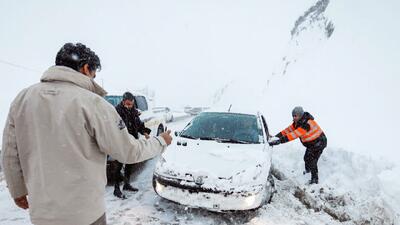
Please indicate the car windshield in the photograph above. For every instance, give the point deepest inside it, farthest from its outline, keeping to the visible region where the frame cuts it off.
(225, 127)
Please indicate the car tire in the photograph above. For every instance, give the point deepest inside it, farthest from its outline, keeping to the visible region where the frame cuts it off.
(154, 183)
(270, 188)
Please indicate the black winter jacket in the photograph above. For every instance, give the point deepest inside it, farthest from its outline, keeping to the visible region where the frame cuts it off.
(132, 120)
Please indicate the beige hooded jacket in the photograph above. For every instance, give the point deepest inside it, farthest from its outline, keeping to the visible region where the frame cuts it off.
(55, 143)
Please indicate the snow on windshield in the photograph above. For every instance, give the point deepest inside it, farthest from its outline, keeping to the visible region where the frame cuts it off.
(225, 126)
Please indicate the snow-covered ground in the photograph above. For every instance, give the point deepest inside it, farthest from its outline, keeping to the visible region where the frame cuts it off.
(338, 59)
(353, 189)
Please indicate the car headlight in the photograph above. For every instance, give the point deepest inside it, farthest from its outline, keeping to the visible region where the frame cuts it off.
(199, 180)
(250, 200)
(159, 187)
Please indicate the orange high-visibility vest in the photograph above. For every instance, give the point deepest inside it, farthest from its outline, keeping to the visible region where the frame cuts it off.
(306, 136)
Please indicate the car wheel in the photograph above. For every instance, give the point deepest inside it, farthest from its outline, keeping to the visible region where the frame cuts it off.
(154, 183)
(160, 129)
(270, 188)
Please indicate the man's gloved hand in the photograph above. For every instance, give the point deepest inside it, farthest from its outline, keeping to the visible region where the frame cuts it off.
(274, 141)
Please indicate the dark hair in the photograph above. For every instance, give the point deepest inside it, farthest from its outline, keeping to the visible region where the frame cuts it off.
(127, 96)
(75, 56)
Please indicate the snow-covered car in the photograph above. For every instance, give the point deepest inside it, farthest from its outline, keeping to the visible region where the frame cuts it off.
(165, 112)
(220, 161)
(194, 110)
(151, 120)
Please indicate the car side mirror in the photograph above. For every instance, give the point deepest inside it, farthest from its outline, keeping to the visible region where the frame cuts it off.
(177, 133)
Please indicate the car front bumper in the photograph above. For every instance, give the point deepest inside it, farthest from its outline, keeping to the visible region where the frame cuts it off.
(210, 199)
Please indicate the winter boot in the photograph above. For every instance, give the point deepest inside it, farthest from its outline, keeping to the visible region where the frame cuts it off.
(313, 181)
(118, 193)
(128, 187)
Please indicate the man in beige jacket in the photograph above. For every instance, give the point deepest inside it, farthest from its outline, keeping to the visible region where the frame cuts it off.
(56, 139)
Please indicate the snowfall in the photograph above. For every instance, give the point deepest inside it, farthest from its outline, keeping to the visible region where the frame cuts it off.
(353, 189)
(339, 61)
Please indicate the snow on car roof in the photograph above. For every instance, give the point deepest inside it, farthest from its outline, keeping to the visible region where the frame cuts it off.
(232, 110)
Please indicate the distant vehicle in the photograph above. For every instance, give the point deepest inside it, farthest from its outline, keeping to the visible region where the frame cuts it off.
(153, 121)
(166, 112)
(194, 110)
(220, 161)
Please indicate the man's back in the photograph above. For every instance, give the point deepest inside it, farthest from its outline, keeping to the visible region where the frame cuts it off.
(56, 139)
(52, 134)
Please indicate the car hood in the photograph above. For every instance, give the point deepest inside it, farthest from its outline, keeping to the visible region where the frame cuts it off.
(213, 160)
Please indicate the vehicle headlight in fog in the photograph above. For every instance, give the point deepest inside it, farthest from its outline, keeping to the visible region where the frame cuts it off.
(250, 200)
(159, 187)
(199, 180)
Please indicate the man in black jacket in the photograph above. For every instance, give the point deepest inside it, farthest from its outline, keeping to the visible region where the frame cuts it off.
(311, 136)
(130, 115)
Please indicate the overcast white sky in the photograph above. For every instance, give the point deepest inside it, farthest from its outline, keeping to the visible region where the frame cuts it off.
(185, 50)
(174, 47)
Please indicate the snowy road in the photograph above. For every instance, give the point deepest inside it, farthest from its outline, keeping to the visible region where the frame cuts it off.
(353, 190)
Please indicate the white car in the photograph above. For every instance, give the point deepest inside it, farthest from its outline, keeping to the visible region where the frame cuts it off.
(194, 110)
(165, 112)
(220, 161)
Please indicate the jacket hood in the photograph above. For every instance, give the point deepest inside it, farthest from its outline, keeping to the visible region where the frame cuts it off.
(66, 74)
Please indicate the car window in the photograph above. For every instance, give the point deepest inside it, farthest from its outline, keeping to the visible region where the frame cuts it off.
(141, 103)
(225, 126)
(113, 99)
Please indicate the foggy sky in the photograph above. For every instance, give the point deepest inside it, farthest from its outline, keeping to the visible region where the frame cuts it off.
(186, 50)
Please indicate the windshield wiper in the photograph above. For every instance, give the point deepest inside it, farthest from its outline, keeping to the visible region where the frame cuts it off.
(225, 140)
(230, 140)
(187, 136)
(206, 138)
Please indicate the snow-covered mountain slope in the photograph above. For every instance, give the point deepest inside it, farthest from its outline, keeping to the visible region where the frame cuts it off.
(339, 64)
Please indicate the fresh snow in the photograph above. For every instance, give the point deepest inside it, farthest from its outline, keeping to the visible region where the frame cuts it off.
(353, 189)
(339, 63)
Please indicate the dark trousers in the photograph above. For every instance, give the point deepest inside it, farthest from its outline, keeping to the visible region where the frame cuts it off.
(115, 170)
(311, 157)
(311, 160)
(114, 175)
